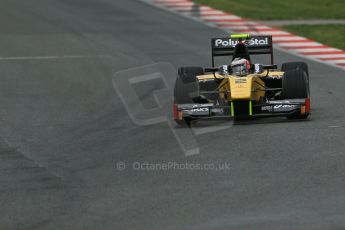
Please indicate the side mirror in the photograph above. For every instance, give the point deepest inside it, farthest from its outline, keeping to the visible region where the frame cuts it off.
(224, 69)
(258, 68)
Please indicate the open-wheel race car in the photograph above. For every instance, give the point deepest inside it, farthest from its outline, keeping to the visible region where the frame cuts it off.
(241, 89)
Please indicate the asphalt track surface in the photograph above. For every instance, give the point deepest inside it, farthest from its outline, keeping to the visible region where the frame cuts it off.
(63, 128)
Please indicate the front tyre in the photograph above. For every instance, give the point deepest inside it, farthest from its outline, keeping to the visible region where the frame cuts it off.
(288, 66)
(186, 85)
(187, 88)
(295, 86)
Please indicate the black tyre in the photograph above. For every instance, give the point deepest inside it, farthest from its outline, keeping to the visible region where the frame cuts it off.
(288, 66)
(295, 85)
(187, 88)
(186, 85)
(295, 65)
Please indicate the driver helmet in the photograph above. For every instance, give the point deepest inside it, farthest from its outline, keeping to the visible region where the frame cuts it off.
(240, 66)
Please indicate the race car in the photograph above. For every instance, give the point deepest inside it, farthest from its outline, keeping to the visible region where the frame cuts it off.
(240, 89)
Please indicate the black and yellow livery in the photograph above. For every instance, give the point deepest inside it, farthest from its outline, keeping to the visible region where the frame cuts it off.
(204, 93)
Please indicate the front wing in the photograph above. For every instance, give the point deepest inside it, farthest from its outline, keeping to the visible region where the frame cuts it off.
(243, 109)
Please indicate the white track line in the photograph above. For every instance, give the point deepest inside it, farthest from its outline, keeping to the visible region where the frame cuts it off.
(336, 61)
(191, 8)
(302, 50)
(286, 38)
(180, 4)
(204, 13)
(219, 17)
(245, 27)
(299, 44)
(328, 56)
(268, 33)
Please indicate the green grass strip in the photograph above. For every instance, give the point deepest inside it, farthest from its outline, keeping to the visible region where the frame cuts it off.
(332, 35)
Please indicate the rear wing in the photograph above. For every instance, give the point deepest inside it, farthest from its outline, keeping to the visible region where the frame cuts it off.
(255, 44)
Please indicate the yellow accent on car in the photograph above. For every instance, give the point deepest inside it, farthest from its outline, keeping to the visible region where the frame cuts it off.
(250, 108)
(232, 109)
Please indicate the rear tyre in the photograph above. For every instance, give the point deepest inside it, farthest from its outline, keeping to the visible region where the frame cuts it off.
(295, 86)
(288, 66)
(186, 89)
